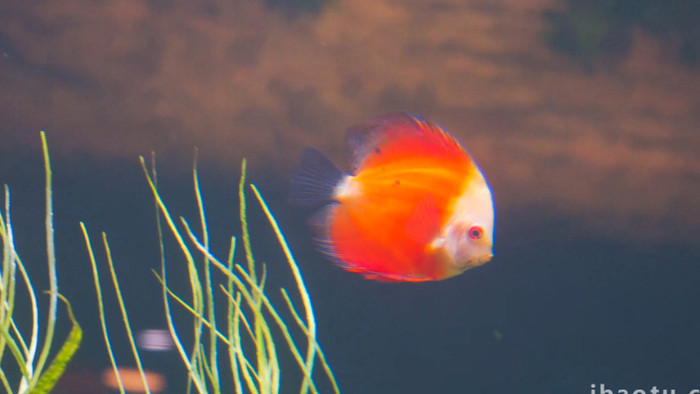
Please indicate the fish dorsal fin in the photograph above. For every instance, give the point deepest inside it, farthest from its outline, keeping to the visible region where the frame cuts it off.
(369, 138)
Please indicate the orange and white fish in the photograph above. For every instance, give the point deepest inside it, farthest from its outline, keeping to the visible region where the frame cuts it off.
(416, 207)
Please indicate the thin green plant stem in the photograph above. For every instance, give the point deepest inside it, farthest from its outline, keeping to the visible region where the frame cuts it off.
(247, 305)
(125, 316)
(166, 303)
(8, 293)
(5, 382)
(162, 209)
(100, 305)
(51, 262)
(242, 211)
(238, 348)
(223, 338)
(306, 300)
(269, 376)
(250, 374)
(37, 376)
(189, 308)
(8, 262)
(271, 309)
(250, 299)
(14, 349)
(210, 306)
(243, 318)
(319, 351)
(7, 266)
(26, 359)
(253, 302)
(198, 305)
(259, 345)
(233, 318)
(20, 340)
(300, 322)
(273, 367)
(31, 350)
(282, 327)
(173, 331)
(197, 343)
(153, 183)
(234, 314)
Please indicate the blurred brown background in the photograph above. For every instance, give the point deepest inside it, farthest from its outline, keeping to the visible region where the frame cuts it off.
(613, 144)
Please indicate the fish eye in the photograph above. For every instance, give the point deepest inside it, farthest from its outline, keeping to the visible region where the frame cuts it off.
(476, 232)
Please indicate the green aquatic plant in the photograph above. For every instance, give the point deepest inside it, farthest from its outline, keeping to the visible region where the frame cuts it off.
(254, 331)
(30, 358)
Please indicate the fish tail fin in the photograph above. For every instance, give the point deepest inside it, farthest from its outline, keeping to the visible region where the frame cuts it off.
(314, 181)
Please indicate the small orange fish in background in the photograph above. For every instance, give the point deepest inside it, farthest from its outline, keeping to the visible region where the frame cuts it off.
(416, 207)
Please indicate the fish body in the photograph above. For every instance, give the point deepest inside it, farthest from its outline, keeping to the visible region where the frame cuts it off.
(416, 207)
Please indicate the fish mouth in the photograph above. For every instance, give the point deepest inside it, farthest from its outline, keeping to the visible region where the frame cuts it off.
(484, 259)
(475, 262)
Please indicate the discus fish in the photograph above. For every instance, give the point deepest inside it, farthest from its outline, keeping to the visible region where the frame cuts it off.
(416, 207)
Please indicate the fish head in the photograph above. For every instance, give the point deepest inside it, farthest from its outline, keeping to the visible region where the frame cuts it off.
(468, 233)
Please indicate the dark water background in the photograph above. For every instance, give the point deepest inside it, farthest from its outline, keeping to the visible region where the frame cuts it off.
(595, 278)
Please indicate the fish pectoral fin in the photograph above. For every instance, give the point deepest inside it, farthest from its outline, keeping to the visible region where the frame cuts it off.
(438, 243)
(424, 223)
